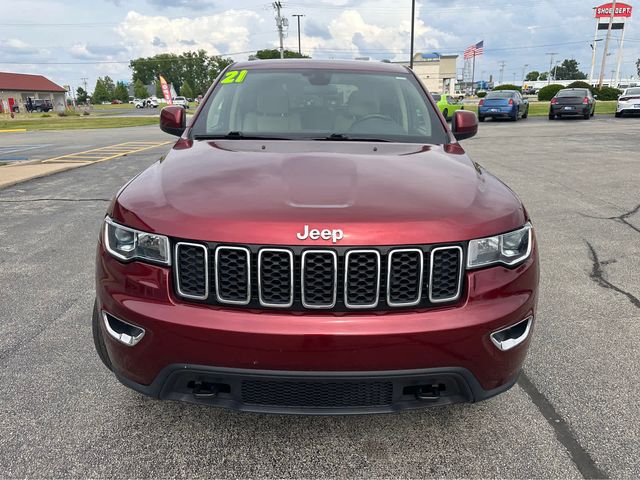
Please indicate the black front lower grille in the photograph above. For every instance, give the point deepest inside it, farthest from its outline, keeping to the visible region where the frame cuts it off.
(333, 279)
(310, 394)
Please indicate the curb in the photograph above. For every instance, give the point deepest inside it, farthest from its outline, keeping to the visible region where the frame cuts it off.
(11, 130)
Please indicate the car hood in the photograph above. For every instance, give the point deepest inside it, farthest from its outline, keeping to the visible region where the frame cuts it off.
(265, 192)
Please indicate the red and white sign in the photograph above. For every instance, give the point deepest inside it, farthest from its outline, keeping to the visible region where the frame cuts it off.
(166, 92)
(622, 10)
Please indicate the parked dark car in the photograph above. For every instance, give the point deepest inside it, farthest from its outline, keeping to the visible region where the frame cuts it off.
(38, 105)
(503, 104)
(291, 255)
(571, 102)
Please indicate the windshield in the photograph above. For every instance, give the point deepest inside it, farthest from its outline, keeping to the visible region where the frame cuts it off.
(632, 91)
(503, 94)
(317, 104)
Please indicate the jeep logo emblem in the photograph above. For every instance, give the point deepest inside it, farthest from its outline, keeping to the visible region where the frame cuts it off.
(324, 234)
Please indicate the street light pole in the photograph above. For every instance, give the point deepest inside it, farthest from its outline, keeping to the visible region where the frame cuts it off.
(299, 44)
(413, 21)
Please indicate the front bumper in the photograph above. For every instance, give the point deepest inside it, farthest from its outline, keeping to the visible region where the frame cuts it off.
(185, 343)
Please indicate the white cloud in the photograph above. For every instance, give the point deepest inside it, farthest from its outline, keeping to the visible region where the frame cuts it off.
(147, 35)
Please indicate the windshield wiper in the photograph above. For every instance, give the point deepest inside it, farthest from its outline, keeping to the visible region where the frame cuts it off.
(341, 137)
(235, 135)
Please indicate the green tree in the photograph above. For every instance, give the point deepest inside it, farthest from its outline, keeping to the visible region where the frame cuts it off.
(568, 70)
(100, 92)
(121, 93)
(139, 89)
(275, 53)
(548, 92)
(81, 95)
(186, 90)
(543, 76)
(532, 76)
(507, 86)
(159, 93)
(110, 87)
(216, 64)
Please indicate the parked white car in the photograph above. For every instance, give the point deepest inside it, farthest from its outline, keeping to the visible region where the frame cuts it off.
(181, 101)
(146, 103)
(629, 102)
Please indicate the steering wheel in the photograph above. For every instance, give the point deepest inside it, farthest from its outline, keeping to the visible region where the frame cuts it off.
(372, 116)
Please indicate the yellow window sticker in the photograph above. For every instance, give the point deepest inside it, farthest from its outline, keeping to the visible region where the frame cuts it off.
(234, 76)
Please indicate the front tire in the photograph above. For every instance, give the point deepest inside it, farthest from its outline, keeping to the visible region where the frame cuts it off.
(98, 339)
(526, 113)
(552, 116)
(618, 114)
(445, 113)
(480, 118)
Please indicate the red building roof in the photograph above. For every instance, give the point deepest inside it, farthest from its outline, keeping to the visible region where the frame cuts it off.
(27, 83)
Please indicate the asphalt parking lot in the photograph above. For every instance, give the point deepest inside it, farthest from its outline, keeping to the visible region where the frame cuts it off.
(574, 412)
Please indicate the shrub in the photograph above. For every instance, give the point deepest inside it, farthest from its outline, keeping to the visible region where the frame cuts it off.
(45, 115)
(547, 93)
(482, 94)
(508, 86)
(579, 84)
(607, 93)
(63, 113)
(86, 112)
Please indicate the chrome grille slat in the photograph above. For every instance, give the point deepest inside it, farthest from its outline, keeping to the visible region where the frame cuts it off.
(193, 280)
(319, 292)
(233, 275)
(364, 288)
(272, 276)
(404, 276)
(445, 274)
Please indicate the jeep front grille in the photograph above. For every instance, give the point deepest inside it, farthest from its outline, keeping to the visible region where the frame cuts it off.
(334, 279)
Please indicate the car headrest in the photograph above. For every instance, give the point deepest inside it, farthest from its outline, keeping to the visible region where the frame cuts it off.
(273, 103)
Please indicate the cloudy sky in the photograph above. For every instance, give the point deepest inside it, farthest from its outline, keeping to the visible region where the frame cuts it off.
(67, 40)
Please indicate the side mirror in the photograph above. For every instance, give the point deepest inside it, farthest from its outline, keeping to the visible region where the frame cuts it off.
(173, 120)
(595, 96)
(464, 124)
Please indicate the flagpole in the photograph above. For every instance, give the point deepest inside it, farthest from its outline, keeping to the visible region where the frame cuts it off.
(473, 74)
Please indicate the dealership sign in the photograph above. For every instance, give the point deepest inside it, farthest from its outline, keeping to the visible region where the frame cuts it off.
(622, 10)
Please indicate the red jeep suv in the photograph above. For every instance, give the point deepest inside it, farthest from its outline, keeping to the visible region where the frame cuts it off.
(317, 241)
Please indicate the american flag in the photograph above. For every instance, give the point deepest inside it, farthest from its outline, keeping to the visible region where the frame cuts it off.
(474, 50)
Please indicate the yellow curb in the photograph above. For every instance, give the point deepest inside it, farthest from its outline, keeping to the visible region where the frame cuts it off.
(8, 130)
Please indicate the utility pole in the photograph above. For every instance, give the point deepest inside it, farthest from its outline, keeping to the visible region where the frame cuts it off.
(413, 21)
(606, 44)
(502, 65)
(280, 24)
(84, 80)
(524, 72)
(552, 54)
(299, 44)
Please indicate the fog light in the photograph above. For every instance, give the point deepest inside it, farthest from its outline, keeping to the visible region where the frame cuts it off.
(122, 331)
(512, 336)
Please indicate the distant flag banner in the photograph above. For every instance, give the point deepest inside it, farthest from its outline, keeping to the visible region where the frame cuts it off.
(474, 50)
(165, 90)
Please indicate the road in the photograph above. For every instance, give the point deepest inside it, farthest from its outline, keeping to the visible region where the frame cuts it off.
(573, 413)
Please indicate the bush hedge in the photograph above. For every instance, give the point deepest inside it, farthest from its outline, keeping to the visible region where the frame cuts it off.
(547, 93)
(579, 84)
(481, 94)
(607, 93)
(507, 86)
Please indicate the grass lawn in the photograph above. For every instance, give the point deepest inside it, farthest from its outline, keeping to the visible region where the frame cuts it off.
(110, 106)
(541, 109)
(69, 123)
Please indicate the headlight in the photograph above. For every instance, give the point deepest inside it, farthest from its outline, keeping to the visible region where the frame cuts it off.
(508, 249)
(126, 243)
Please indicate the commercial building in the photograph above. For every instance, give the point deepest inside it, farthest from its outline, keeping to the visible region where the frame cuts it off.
(437, 71)
(15, 88)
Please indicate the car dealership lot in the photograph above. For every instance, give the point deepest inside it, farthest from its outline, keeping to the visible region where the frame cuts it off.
(574, 413)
